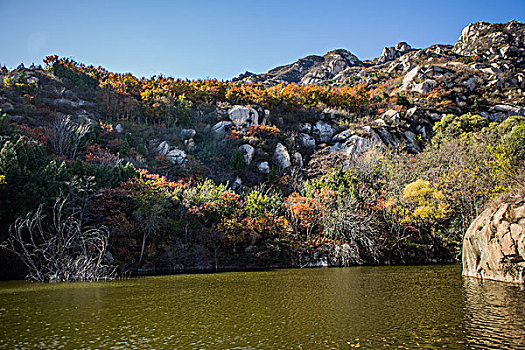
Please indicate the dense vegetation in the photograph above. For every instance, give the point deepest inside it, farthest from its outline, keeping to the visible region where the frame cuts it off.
(387, 206)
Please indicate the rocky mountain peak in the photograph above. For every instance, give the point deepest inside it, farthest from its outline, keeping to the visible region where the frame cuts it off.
(504, 41)
(393, 52)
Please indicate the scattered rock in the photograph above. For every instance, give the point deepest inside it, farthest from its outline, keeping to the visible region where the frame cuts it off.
(190, 144)
(221, 127)
(187, 133)
(243, 117)
(237, 183)
(298, 157)
(305, 128)
(176, 156)
(163, 148)
(425, 87)
(264, 167)
(306, 141)
(247, 152)
(282, 157)
(324, 131)
(343, 136)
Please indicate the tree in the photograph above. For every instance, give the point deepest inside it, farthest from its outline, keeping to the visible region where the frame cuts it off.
(62, 250)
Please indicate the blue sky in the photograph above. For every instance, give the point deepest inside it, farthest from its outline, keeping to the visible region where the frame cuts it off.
(221, 39)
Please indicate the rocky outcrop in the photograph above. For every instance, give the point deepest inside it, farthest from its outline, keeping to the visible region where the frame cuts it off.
(494, 245)
(308, 70)
(391, 53)
(493, 41)
(334, 62)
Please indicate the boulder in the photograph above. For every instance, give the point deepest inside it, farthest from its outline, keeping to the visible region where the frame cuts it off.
(298, 157)
(247, 152)
(32, 80)
(264, 167)
(243, 117)
(323, 131)
(190, 144)
(509, 110)
(471, 82)
(119, 128)
(494, 245)
(391, 53)
(282, 157)
(306, 141)
(220, 128)
(425, 87)
(176, 156)
(343, 136)
(237, 183)
(163, 148)
(358, 145)
(305, 127)
(187, 133)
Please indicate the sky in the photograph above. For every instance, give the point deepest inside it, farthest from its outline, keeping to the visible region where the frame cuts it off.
(222, 38)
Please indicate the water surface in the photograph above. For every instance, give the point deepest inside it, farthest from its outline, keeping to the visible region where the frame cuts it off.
(411, 307)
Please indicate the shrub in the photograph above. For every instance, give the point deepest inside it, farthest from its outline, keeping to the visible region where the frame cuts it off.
(424, 202)
(452, 127)
(258, 203)
(237, 162)
(340, 181)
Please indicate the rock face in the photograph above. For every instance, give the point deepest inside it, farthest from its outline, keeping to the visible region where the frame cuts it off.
(492, 41)
(308, 70)
(391, 53)
(494, 245)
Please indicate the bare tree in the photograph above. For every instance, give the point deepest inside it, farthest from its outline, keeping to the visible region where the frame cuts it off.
(67, 136)
(62, 251)
(357, 232)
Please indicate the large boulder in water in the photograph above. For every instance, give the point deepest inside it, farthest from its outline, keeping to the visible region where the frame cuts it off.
(494, 245)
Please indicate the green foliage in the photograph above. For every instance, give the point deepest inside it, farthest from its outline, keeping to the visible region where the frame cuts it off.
(33, 178)
(258, 203)
(105, 176)
(181, 109)
(80, 79)
(141, 149)
(237, 162)
(203, 192)
(451, 126)
(340, 181)
(6, 126)
(127, 144)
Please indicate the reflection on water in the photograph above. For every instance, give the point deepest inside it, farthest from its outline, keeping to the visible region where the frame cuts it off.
(371, 307)
(495, 314)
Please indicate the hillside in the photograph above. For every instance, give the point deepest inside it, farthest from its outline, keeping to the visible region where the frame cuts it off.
(329, 160)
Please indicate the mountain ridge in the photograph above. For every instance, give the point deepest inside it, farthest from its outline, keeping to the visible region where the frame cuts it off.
(475, 39)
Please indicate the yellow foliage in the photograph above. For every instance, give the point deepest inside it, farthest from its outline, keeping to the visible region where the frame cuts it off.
(424, 202)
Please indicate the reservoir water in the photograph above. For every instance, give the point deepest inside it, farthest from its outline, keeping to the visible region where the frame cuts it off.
(412, 307)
